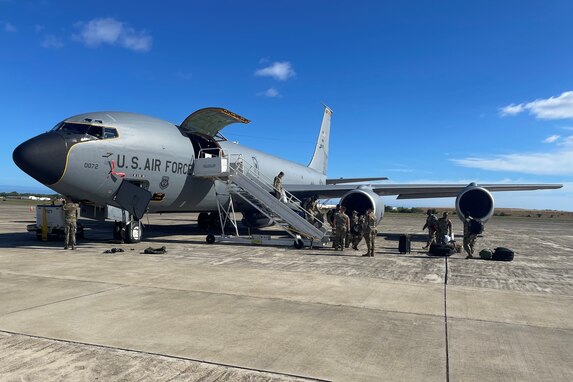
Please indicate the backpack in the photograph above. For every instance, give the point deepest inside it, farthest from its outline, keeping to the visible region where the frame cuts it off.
(502, 254)
(485, 254)
(441, 250)
(476, 226)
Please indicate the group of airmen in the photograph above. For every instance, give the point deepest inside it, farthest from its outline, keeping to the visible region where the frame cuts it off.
(440, 231)
(346, 230)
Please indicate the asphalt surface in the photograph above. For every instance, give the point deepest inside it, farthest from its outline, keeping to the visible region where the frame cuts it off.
(248, 313)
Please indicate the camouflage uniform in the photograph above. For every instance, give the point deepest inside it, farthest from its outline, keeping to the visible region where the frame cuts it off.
(356, 229)
(469, 237)
(330, 215)
(342, 223)
(278, 185)
(370, 232)
(314, 214)
(432, 225)
(70, 211)
(444, 228)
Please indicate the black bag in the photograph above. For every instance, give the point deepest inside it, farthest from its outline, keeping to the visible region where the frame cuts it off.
(404, 244)
(356, 229)
(155, 251)
(502, 254)
(441, 250)
(476, 227)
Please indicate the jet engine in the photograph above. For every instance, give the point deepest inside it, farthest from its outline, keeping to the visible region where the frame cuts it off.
(476, 201)
(361, 199)
(255, 219)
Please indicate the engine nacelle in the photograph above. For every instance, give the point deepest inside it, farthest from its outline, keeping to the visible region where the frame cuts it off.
(361, 199)
(477, 201)
(255, 219)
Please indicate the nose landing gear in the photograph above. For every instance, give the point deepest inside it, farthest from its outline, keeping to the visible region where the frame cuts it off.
(130, 232)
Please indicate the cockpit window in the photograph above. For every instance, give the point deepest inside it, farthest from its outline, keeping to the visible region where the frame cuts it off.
(109, 132)
(95, 131)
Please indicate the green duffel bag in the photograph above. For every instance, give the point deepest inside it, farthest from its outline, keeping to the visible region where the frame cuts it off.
(485, 254)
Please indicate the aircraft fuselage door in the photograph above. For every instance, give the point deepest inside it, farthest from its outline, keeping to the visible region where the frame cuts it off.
(132, 198)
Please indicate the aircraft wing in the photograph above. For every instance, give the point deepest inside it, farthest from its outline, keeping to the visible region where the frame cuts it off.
(209, 121)
(408, 191)
(353, 180)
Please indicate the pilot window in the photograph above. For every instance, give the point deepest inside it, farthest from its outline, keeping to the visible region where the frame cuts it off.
(109, 132)
(94, 131)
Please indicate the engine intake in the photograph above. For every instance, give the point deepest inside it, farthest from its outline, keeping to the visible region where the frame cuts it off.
(476, 201)
(361, 199)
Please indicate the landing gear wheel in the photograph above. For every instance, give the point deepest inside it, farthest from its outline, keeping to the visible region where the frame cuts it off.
(298, 243)
(118, 231)
(133, 231)
(210, 238)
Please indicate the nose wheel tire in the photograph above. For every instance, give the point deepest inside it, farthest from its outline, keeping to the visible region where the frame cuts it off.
(133, 232)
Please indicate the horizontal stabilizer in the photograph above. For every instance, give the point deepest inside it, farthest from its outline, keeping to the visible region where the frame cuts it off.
(353, 180)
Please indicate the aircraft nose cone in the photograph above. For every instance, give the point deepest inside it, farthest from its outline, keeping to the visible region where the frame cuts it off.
(42, 157)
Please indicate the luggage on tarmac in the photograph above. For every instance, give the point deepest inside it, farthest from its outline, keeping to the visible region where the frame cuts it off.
(441, 250)
(404, 244)
(502, 254)
(485, 254)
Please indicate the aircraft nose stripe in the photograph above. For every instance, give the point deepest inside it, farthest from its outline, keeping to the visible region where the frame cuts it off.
(42, 157)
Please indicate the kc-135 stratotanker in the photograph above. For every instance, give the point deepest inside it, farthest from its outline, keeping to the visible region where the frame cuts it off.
(121, 165)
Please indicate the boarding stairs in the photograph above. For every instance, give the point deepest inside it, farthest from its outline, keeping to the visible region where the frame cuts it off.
(249, 184)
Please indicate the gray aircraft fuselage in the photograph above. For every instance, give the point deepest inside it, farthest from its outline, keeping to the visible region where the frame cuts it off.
(154, 152)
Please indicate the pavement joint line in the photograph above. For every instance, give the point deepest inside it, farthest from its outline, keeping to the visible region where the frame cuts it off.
(60, 301)
(447, 342)
(107, 347)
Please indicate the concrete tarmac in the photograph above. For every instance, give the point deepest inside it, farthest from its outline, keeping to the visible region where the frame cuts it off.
(248, 313)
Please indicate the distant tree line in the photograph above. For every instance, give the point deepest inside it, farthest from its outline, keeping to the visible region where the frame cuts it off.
(15, 194)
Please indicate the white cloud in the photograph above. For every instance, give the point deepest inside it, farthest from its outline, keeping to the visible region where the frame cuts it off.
(52, 42)
(567, 142)
(271, 93)
(551, 139)
(9, 27)
(278, 70)
(113, 32)
(555, 163)
(560, 107)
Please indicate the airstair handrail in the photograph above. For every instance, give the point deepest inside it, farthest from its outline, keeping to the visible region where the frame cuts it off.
(245, 168)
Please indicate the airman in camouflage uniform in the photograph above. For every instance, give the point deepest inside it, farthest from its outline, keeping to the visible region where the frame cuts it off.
(431, 225)
(444, 228)
(370, 232)
(356, 229)
(311, 206)
(278, 185)
(71, 214)
(342, 223)
(469, 237)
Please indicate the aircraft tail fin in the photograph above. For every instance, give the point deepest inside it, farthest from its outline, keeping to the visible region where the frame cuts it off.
(319, 159)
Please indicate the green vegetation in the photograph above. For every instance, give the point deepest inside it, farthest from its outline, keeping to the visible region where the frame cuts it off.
(15, 195)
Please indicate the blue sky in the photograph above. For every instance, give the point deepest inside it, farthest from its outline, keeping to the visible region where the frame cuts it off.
(431, 92)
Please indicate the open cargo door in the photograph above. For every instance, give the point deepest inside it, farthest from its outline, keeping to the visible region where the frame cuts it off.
(209, 121)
